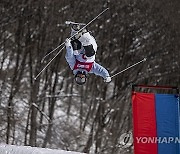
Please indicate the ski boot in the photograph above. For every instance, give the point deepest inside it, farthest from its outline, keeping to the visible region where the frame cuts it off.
(75, 28)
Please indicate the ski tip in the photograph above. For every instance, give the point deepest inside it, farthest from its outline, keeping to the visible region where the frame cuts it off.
(106, 9)
(73, 23)
(67, 22)
(42, 60)
(144, 59)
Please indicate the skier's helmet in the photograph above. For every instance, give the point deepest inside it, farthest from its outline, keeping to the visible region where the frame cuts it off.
(80, 77)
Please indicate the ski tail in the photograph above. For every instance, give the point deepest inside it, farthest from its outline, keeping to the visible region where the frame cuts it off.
(74, 23)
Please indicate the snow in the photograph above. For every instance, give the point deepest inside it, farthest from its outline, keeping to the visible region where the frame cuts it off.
(13, 149)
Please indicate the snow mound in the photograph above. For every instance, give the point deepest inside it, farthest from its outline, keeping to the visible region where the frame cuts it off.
(13, 149)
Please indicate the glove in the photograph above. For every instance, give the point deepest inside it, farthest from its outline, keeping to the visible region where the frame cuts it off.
(107, 79)
(67, 43)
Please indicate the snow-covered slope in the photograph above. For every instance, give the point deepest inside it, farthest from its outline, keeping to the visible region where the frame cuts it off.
(13, 149)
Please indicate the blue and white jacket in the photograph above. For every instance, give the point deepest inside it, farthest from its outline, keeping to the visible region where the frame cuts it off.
(81, 63)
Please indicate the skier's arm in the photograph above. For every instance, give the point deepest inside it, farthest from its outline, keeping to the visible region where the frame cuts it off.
(100, 71)
(70, 58)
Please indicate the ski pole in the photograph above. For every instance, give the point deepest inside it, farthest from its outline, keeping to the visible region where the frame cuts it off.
(143, 60)
(48, 63)
(75, 33)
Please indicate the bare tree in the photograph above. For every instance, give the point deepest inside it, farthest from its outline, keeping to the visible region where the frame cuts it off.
(59, 113)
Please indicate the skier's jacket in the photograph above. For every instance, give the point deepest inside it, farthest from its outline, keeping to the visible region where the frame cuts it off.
(81, 63)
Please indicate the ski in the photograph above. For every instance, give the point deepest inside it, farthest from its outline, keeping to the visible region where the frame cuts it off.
(73, 23)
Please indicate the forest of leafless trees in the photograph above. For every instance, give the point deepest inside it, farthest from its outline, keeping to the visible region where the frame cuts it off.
(53, 111)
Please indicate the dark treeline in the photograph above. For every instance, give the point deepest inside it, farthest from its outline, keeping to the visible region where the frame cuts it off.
(53, 111)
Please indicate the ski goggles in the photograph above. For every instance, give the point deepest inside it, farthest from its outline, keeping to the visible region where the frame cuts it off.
(80, 78)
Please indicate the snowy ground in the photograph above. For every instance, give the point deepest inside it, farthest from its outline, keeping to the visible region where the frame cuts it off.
(12, 149)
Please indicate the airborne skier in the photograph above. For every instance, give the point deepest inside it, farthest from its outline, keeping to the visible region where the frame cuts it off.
(80, 55)
(81, 48)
